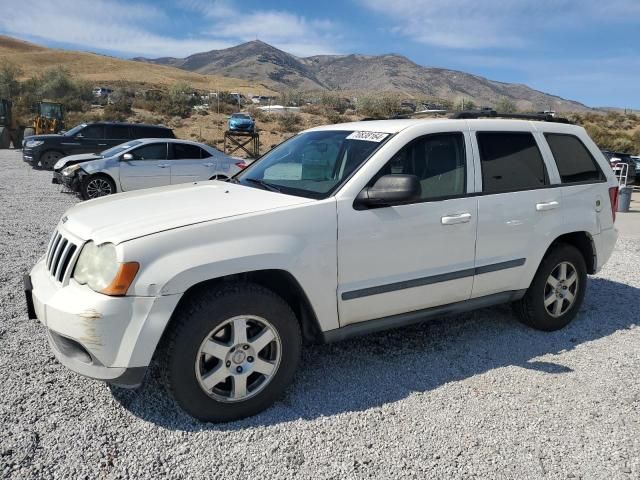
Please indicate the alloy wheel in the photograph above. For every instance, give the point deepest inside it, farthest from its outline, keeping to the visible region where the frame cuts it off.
(238, 359)
(98, 187)
(561, 289)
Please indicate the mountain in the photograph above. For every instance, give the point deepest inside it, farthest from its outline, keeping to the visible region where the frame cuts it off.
(259, 62)
(33, 59)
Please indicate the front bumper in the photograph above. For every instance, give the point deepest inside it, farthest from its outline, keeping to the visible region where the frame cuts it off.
(72, 183)
(30, 156)
(98, 336)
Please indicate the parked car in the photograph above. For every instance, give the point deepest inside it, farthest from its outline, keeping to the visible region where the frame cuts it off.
(636, 161)
(143, 163)
(46, 150)
(242, 122)
(342, 230)
(617, 160)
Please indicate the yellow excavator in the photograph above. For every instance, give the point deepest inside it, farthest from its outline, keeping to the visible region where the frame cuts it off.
(49, 119)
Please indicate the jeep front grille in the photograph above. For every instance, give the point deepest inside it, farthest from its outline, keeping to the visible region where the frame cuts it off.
(59, 255)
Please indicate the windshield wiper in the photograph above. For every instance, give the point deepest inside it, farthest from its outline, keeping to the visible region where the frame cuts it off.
(263, 184)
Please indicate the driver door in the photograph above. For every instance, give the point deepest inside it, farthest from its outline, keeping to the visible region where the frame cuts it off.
(404, 258)
(149, 167)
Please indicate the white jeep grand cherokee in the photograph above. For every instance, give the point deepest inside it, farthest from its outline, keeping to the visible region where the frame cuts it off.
(340, 231)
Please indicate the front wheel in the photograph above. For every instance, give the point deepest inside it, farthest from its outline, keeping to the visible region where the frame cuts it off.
(231, 352)
(97, 186)
(557, 290)
(49, 159)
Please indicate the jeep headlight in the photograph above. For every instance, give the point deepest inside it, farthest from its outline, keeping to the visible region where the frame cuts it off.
(33, 143)
(67, 172)
(98, 267)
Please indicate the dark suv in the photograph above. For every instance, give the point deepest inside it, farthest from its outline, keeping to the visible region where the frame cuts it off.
(46, 150)
(616, 160)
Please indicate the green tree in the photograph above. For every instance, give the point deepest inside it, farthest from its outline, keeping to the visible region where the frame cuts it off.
(9, 84)
(505, 105)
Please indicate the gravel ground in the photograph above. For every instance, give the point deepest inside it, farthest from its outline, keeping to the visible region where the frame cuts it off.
(467, 396)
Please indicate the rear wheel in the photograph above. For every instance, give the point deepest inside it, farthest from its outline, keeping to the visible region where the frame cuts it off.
(557, 290)
(231, 352)
(48, 159)
(97, 186)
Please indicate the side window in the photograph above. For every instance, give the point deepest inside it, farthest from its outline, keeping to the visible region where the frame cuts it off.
(183, 151)
(93, 131)
(439, 162)
(154, 151)
(575, 162)
(510, 161)
(205, 154)
(117, 132)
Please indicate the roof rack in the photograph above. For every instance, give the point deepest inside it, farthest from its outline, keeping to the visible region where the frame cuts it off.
(540, 117)
(484, 113)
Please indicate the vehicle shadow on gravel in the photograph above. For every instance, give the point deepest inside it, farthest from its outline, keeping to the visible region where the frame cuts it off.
(371, 371)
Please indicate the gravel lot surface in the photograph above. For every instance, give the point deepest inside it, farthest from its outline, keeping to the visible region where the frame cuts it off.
(469, 396)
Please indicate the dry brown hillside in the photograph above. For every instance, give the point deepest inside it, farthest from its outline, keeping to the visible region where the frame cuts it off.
(33, 59)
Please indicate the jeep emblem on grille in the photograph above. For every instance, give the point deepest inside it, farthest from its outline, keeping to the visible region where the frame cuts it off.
(64, 219)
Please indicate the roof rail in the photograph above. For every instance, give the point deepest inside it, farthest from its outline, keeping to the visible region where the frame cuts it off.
(540, 117)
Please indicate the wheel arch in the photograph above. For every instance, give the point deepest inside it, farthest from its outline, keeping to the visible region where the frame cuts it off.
(281, 282)
(584, 242)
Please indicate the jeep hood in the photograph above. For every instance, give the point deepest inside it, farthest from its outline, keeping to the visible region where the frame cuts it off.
(125, 216)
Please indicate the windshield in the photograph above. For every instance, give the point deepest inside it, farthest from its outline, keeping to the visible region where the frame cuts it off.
(240, 115)
(74, 130)
(117, 150)
(312, 164)
(51, 110)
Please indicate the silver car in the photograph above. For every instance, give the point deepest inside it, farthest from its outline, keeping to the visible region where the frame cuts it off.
(143, 163)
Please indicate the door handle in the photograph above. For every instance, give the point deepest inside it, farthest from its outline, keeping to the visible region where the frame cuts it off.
(456, 218)
(208, 164)
(164, 165)
(541, 207)
(102, 144)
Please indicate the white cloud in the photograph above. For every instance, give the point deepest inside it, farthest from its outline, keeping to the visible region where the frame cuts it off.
(291, 33)
(135, 28)
(474, 24)
(101, 25)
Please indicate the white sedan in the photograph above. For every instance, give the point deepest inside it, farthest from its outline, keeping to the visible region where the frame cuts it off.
(144, 163)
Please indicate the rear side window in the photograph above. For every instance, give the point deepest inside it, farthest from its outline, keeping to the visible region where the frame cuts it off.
(575, 162)
(117, 132)
(151, 132)
(510, 161)
(185, 151)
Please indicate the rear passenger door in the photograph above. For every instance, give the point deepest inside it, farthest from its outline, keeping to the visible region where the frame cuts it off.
(190, 163)
(148, 168)
(519, 211)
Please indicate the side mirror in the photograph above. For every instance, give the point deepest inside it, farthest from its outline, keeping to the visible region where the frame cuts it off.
(127, 157)
(390, 190)
(79, 135)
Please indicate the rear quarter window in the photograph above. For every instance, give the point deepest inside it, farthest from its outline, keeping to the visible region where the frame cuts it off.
(575, 162)
(510, 161)
(151, 132)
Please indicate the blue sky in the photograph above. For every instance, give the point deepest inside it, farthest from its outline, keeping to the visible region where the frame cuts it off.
(587, 50)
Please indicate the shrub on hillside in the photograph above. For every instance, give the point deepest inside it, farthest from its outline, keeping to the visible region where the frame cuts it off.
(378, 106)
(290, 122)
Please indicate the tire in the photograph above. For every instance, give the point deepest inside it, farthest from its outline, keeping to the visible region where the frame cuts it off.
(185, 367)
(49, 158)
(5, 137)
(539, 307)
(29, 131)
(96, 186)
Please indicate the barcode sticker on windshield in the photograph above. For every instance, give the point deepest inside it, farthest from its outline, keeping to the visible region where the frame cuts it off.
(368, 136)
